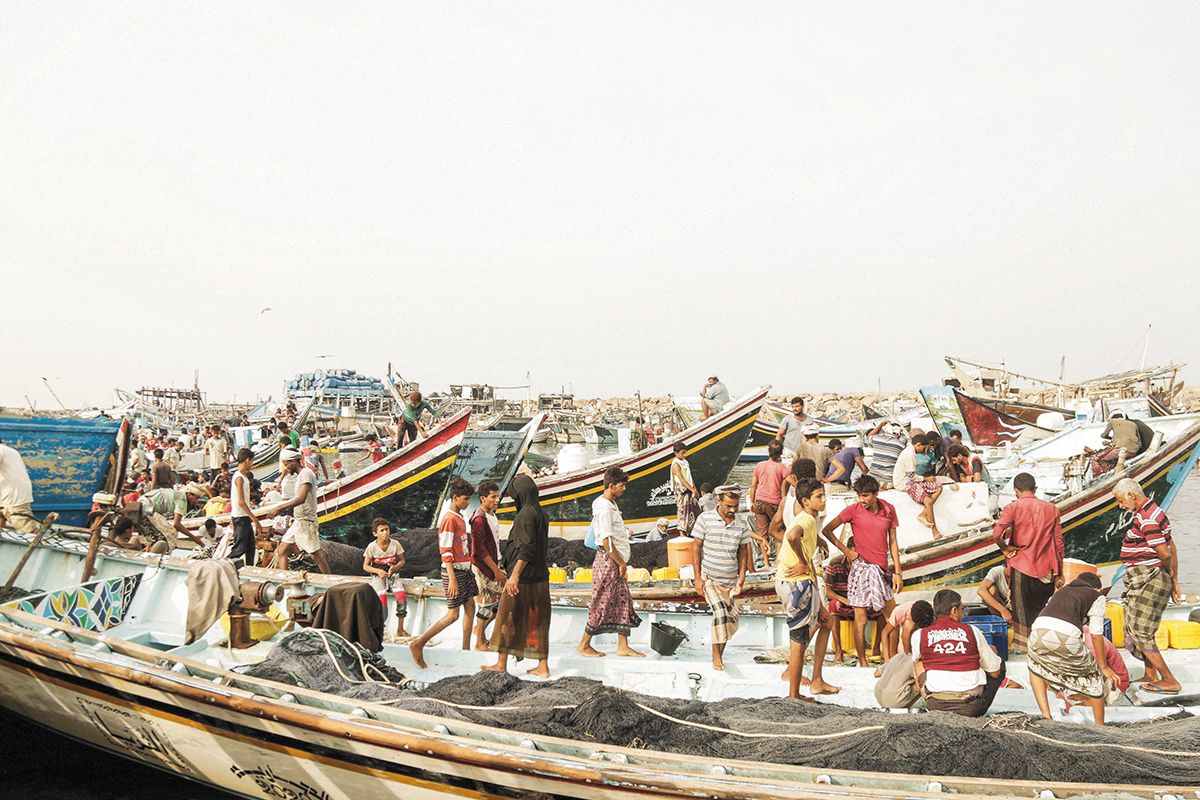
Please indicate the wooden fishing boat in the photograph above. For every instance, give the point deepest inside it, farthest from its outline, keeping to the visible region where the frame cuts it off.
(266, 451)
(1093, 524)
(404, 488)
(105, 663)
(68, 460)
(988, 426)
(713, 447)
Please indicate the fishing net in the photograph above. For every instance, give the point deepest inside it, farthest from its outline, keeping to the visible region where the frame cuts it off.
(776, 730)
(313, 658)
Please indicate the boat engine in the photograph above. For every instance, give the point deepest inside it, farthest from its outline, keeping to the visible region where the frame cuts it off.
(256, 597)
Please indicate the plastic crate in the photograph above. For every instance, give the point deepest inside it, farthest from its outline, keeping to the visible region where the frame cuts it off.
(994, 629)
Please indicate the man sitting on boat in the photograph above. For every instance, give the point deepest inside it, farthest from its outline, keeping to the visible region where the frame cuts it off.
(713, 397)
(16, 492)
(1128, 439)
(956, 668)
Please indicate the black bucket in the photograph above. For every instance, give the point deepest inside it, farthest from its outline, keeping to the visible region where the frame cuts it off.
(665, 639)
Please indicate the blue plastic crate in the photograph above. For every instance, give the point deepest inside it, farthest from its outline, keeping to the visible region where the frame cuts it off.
(994, 629)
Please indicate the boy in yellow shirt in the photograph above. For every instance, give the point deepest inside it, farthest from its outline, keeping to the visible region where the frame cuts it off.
(796, 585)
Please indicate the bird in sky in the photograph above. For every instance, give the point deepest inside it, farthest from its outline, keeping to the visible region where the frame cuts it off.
(265, 310)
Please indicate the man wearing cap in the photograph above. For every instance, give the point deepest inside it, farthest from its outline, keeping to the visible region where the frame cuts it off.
(811, 448)
(713, 397)
(303, 533)
(722, 558)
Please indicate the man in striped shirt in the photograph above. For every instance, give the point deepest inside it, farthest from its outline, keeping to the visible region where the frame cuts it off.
(721, 562)
(1151, 581)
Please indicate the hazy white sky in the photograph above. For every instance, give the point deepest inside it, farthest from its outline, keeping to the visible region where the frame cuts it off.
(615, 196)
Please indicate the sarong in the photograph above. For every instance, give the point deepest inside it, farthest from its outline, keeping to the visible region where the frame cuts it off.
(800, 607)
(1029, 597)
(465, 581)
(523, 622)
(1147, 592)
(918, 490)
(685, 510)
(869, 585)
(1065, 662)
(725, 613)
(611, 608)
(488, 599)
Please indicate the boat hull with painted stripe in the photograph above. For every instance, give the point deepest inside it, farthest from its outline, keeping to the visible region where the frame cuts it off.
(120, 679)
(713, 448)
(1093, 524)
(403, 488)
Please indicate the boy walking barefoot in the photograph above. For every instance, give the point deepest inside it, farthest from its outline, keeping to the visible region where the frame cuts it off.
(795, 583)
(458, 581)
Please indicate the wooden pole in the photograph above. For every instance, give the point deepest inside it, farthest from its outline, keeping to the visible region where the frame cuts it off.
(50, 519)
(89, 563)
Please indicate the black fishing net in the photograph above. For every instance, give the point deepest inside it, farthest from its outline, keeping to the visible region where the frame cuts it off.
(326, 662)
(776, 730)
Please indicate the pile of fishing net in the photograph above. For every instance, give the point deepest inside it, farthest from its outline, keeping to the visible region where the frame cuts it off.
(776, 730)
(323, 661)
(423, 559)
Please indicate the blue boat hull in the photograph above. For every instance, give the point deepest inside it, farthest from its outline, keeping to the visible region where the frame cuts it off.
(67, 459)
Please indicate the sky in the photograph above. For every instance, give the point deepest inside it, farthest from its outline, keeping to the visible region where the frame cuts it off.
(611, 197)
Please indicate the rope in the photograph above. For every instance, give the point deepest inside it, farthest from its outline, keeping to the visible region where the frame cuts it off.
(1089, 745)
(772, 735)
(482, 708)
(866, 728)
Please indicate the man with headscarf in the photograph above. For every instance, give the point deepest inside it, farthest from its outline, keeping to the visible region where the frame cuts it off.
(1151, 581)
(522, 627)
(304, 532)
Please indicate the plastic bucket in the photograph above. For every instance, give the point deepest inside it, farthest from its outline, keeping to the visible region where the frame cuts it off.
(665, 639)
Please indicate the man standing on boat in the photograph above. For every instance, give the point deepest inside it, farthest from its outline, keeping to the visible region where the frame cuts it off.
(485, 560)
(684, 488)
(523, 619)
(1151, 581)
(16, 492)
(611, 606)
(722, 559)
(303, 533)
(408, 425)
(871, 586)
(216, 451)
(458, 581)
(811, 448)
(1029, 533)
(790, 433)
(713, 397)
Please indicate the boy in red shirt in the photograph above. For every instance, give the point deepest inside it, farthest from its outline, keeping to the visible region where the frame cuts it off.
(458, 582)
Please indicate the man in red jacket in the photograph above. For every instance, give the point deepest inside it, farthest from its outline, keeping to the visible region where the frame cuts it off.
(954, 666)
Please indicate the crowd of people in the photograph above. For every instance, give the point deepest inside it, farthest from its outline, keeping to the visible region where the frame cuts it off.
(499, 593)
